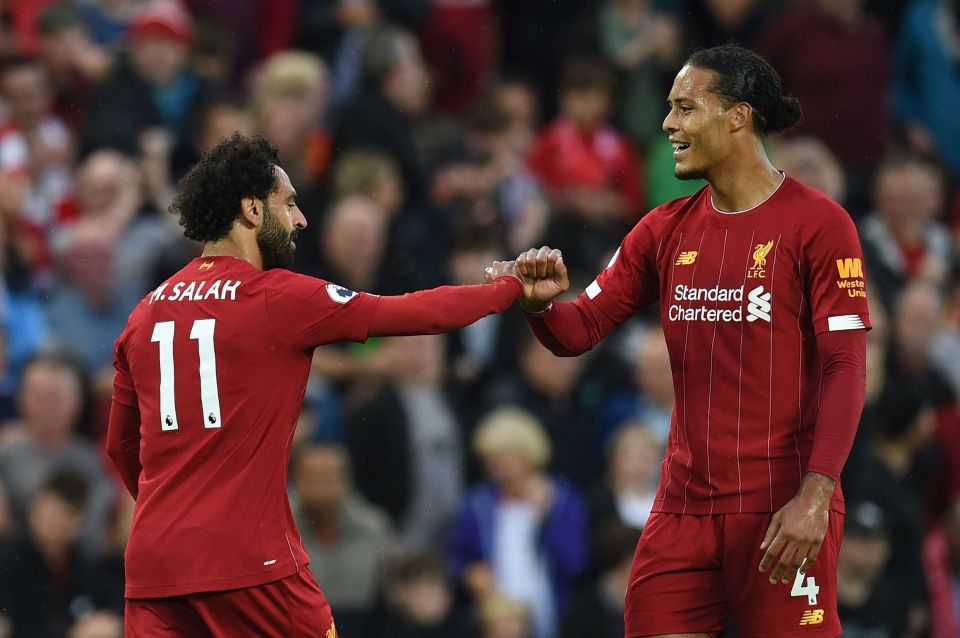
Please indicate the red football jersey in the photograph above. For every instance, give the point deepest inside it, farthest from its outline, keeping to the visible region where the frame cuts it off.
(217, 359)
(742, 297)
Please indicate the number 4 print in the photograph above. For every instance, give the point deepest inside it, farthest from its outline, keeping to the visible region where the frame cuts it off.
(805, 586)
(202, 333)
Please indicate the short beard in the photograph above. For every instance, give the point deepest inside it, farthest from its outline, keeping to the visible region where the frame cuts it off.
(690, 175)
(274, 241)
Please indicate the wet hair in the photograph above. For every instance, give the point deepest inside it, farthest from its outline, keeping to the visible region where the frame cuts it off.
(744, 76)
(209, 199)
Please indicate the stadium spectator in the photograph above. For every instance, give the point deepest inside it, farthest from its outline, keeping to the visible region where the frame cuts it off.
(651, 399)
(642, 42)
(47, 581)
(290, 100)
(586, 166)
(834, 56)
(394, 90)
(522, 533)
(723, 103)
(711, 23)
(150, 84)
(405, 444)
(596, 608)
(503, 617)
(888, 475)
(51, 400)
(346, 538)
(420, 601)
(866, 608)
(902, 239)
(72, 59)
(927, 80)
(808, 160)
(633, 465)
(35, 153)
(517, 98)
(222, 117)
(550, 388)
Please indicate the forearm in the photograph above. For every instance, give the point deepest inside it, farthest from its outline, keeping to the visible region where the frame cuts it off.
(841, 400)
(442, 309)
(569, 329)
(123, 445)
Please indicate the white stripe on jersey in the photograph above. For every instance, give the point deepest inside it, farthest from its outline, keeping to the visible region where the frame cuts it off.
(593, 290)
(845, 322)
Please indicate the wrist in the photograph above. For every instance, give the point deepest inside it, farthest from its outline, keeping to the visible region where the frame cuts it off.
(535, 307)
(818, 486)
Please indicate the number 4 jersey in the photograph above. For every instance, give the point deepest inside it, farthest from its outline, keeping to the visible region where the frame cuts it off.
(742, 298)
(216, 360)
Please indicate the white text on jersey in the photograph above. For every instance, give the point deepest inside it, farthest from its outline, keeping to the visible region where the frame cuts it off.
(222, 290)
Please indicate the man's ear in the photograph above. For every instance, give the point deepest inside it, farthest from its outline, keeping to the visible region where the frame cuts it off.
(251, 211)
(739, 116)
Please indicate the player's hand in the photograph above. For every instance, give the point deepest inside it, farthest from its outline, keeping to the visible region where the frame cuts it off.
(544, 277)
(796, 532)
(501, 269)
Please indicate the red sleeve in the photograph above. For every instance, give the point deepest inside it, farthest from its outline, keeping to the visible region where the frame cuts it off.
(843, 359)
(442, 309)
(123, 431)
(571, 328)
(123, 444)
(309, 312)
(628, 283)
(835, 279)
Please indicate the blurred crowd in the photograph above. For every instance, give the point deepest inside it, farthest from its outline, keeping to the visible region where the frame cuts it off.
(470, 485)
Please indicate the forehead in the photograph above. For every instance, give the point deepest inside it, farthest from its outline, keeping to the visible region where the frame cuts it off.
(284, 187)
(693, 84)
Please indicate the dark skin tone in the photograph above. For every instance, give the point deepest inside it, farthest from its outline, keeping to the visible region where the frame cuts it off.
(717, 142)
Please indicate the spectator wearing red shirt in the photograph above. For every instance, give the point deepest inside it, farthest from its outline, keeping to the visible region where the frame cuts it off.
(586, 166)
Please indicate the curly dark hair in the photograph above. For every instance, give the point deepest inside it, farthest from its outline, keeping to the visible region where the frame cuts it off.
(210, 193)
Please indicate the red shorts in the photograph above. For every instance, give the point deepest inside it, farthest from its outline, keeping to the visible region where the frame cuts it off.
(691, 573)
(293, 607)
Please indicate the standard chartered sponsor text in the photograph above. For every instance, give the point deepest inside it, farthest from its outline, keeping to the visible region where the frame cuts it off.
(733, 297)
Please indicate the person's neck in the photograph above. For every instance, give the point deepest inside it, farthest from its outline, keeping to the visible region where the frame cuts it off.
(740, 185)
(324, 520)
(906, 233)
(235, 246)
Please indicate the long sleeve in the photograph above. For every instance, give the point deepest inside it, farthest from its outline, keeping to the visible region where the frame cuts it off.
(843, 359)
(570, 328)
(442, 309)
(123, 444)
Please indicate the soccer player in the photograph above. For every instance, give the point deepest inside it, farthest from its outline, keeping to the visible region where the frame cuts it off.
(210, 376)
(763, 304)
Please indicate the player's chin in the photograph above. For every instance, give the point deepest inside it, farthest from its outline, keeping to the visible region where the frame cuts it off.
(686, 172)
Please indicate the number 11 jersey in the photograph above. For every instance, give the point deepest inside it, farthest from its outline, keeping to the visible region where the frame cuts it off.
(216, 360)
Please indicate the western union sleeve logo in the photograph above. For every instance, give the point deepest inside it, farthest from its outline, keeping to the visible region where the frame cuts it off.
(686, 258)
(811, 617)
(850, 268)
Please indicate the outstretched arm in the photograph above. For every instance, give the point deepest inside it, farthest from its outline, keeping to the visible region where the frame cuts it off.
(446, 308)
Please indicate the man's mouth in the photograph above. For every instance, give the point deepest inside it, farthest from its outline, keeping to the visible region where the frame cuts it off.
(679, 148)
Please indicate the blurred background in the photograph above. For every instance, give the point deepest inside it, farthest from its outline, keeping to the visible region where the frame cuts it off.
(470, 485)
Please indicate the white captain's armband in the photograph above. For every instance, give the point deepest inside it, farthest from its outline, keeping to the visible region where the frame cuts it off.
(845, 322)
(593, 290)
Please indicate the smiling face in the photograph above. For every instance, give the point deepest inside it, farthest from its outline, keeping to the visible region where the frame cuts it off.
(697, 124)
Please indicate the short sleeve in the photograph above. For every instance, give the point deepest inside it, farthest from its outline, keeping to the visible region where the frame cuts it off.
(307, 312)
(836, 280)
(124, 392)
(630, 281)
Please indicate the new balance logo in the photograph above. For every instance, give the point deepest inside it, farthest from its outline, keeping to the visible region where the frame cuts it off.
(686, 258)
(811, 617)
(759, 304)
(850, 268)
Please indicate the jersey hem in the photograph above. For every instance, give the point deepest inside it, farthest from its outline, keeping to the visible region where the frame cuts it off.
(214, 584)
